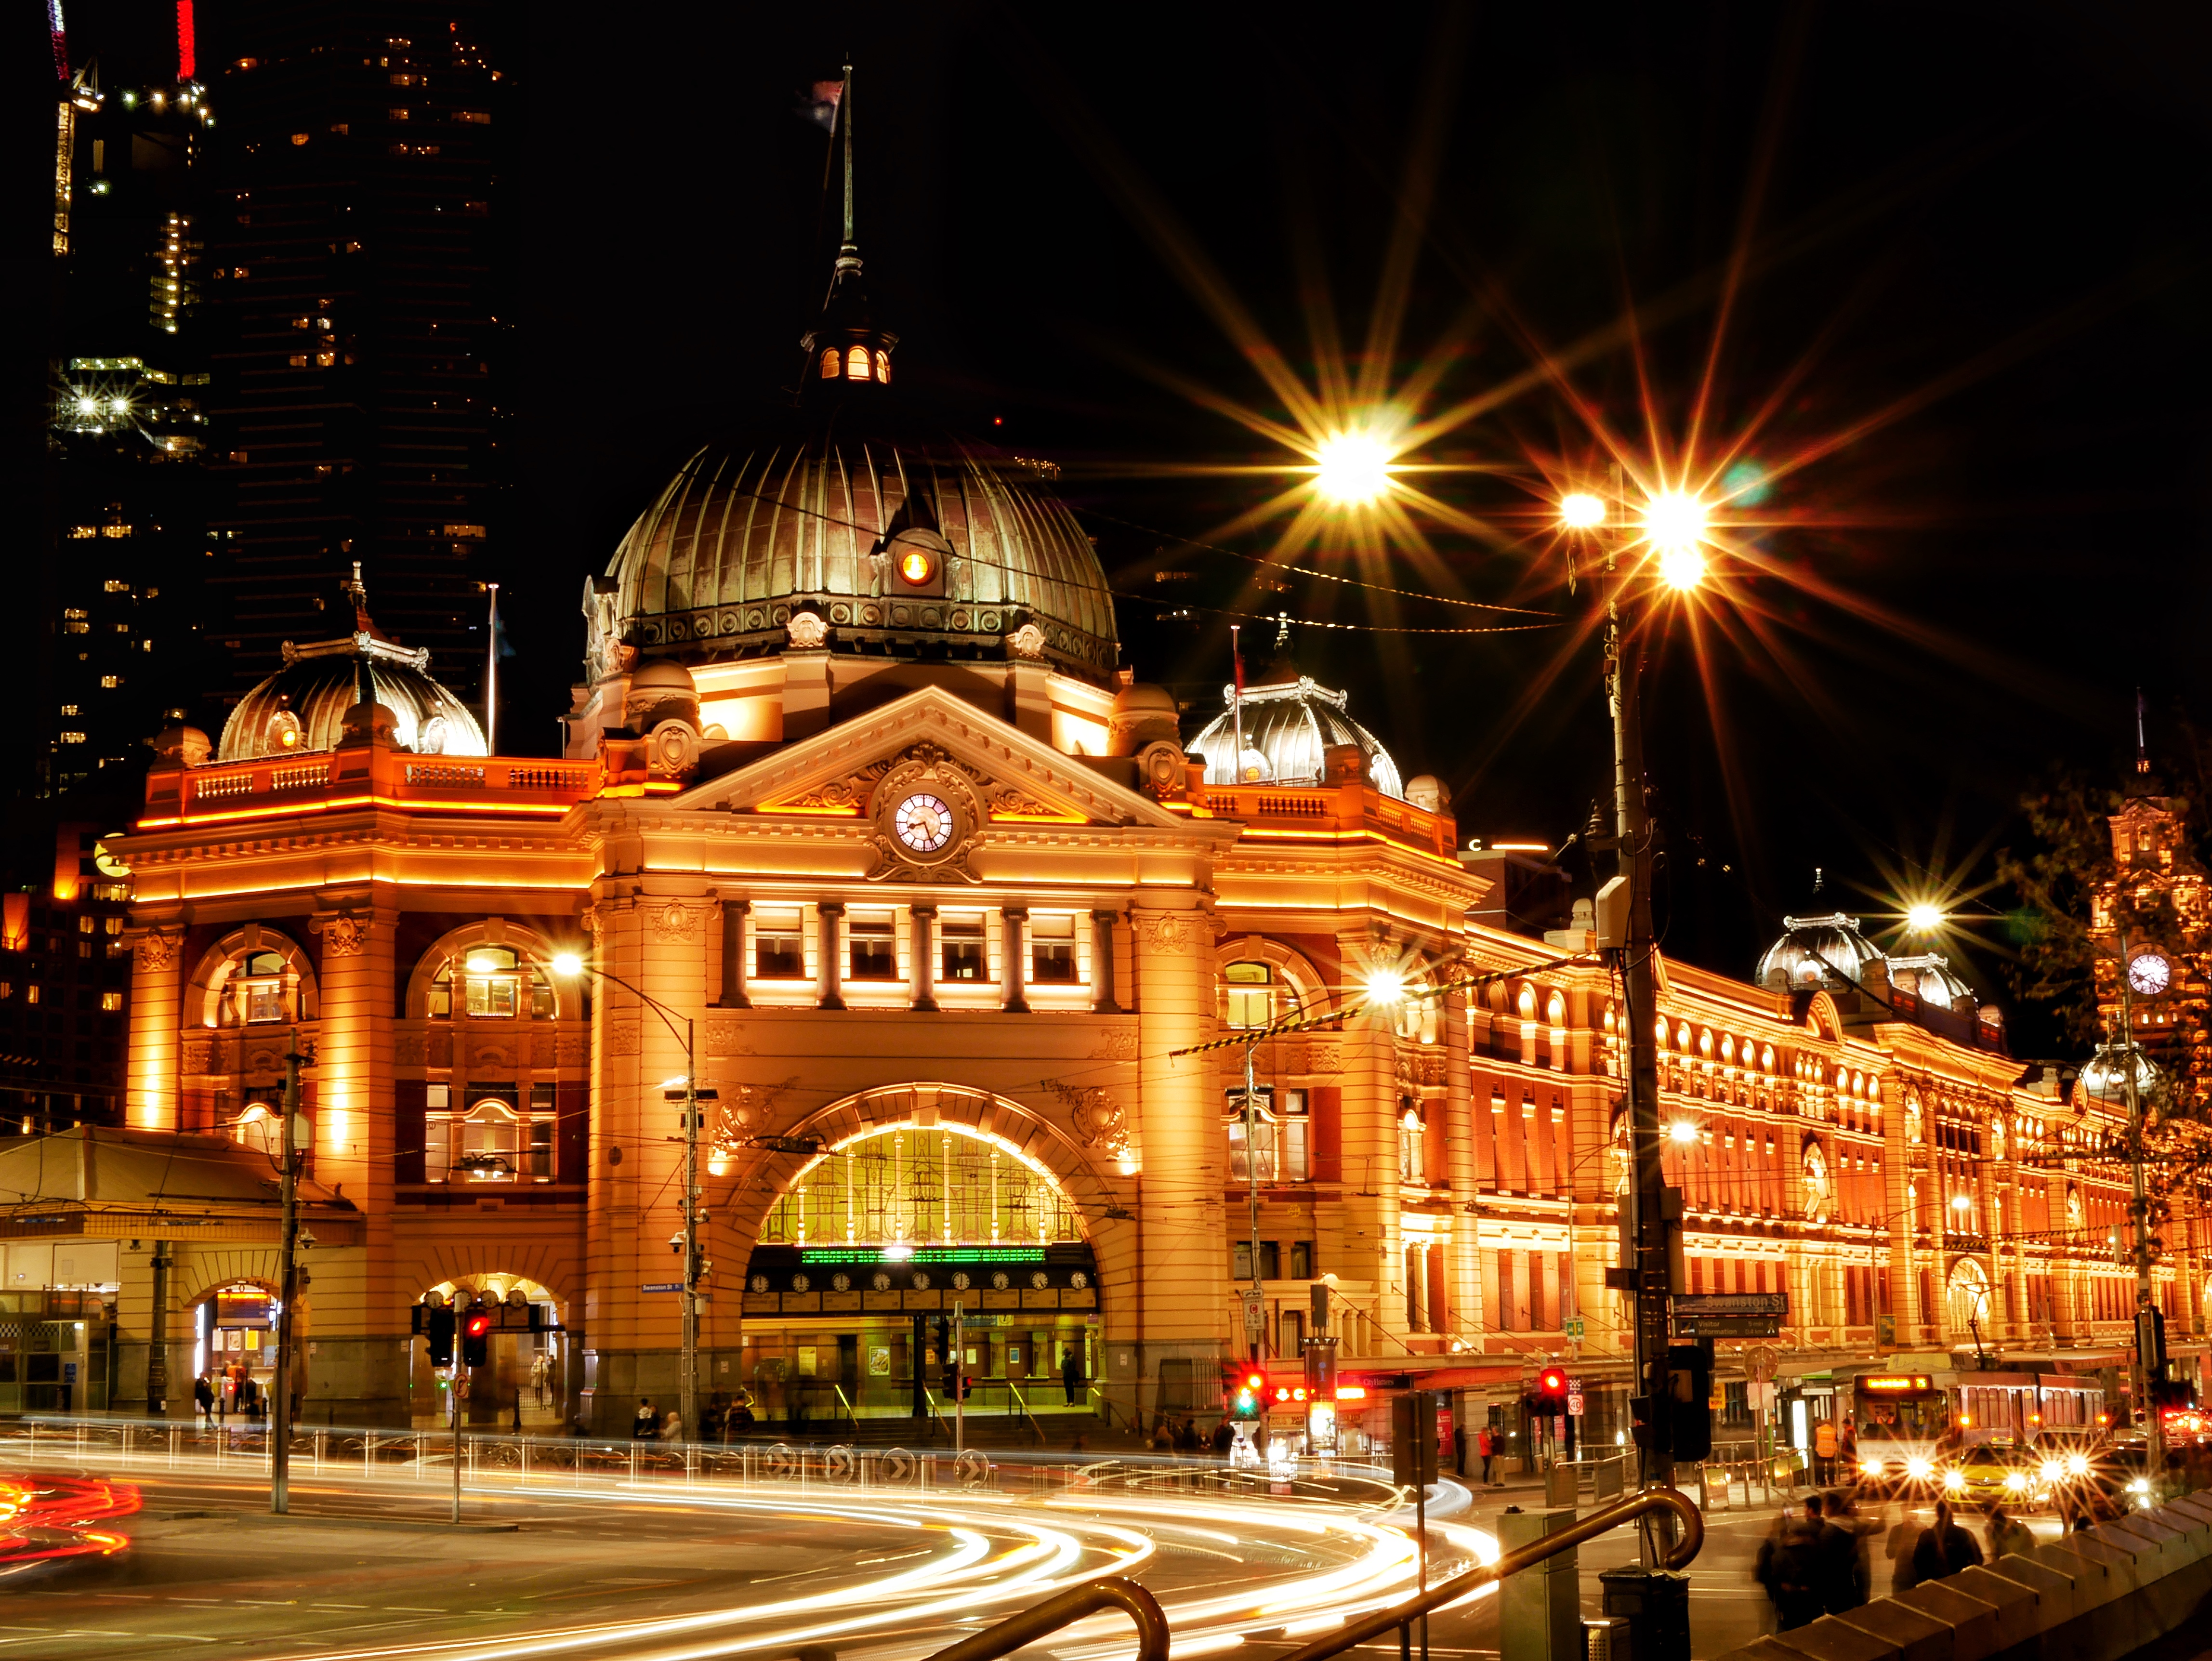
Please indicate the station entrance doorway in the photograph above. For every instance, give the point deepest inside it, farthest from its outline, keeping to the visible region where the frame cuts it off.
(524, 1383)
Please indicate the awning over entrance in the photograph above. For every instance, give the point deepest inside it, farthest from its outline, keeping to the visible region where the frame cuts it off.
(96, 1181)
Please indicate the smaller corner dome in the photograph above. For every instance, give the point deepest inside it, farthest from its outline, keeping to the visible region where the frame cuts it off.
(1288, 728)
(1820, 953)
(1928, 976)
(304, 705)
(1141, 697)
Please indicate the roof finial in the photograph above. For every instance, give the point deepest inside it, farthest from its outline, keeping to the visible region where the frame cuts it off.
(2142, 745)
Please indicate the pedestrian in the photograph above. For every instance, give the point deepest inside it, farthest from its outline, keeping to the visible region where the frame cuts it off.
(1824, 1453)
(2008, 1534)
(1843, 1510)
(1833, 1549)
(672, 1426)
(1786, 1567)
(1071, 1373)
(1459, 1450)
(1224, 1438)
(1162, 1435)
(1485, 1444)
(642, 1423)
(1944, 1548)
(203, 1399)
(1187, 1438)
(1904, 1542)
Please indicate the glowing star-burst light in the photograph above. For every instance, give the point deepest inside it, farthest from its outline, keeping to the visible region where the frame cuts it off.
(1385, 988)
(1351, 468)
(1581, 511)
(567, 964)
(1675, 523)
(1923, 917)
(1682, 1132)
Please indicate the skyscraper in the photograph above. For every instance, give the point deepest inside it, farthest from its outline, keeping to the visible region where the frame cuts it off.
(355, 287)
(127, 435)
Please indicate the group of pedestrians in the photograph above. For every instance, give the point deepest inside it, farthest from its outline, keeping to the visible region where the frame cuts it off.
(231, 1390)
(1821, 1561)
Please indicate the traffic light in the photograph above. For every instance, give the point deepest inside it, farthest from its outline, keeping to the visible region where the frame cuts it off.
(1688, 1402)
(476, 1339)
(1251, 1390)
(438, 1334)
(1550, 1399)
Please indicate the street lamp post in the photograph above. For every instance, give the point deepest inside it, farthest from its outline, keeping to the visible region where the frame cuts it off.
(569, 965)
(2146, 1367)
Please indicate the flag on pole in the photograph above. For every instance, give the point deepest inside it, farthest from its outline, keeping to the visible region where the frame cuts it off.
(818, 104)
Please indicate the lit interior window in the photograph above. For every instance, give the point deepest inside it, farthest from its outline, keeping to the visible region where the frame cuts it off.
(829, 364)
(1251, 994)
(1052, 950)
(260, 983)
(884, 367)
(856, 363)
(493, 979)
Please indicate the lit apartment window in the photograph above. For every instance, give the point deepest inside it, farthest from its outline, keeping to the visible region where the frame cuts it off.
(779, 951)
(964, 956)
(31, 994)
(1251, 994)
(829, 364)
(874, 946)
(111, 681)
(86, 923)
(110, 1001)
(116, 586)
(68, 709)
(1052, 950)
(108, 925)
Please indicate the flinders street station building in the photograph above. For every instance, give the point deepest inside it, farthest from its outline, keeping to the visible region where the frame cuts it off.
(860, 823)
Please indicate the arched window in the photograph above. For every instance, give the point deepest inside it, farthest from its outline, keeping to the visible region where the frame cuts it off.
(495, 984)
(494, 1141)
(829, 364)
(284, 731)
(884, 367)
(1251, 993)
(1411, 1149)
(259, 1128)
(1967, 1303)
(856, 363)
(259, 994)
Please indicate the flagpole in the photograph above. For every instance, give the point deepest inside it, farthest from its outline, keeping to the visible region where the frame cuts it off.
(492, 677)
(1236, 701)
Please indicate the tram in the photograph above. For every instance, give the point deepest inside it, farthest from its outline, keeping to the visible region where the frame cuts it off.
(1917, 1432)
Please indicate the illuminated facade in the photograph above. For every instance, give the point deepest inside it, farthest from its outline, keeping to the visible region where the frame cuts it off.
(854, 793)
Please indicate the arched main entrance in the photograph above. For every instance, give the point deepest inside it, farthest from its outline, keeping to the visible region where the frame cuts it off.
(525, 1384)
(906, 1253)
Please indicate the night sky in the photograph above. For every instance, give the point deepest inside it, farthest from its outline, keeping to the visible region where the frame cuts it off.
(1969, 294)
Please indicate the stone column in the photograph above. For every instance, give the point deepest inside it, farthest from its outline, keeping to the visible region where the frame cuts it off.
(353, 1117)
(829, 973)
(735, 909)
(1465, 1268)
(923, 977)
(1180, 1285)
(1368, 1048)
(1013, 966)
(1102, 963)
(156, 990)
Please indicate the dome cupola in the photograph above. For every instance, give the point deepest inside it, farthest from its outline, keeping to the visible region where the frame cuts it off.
(1826, 953)
(1281, 731)
(1928, 976)
(307, 705)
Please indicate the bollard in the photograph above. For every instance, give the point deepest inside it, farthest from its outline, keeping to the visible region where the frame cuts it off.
(1655, 1606)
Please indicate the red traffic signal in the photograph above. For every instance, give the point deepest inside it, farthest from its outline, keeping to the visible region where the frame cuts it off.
(1256, 1381)
(1550, 1399)
(476, 1342)
(1552, 1382)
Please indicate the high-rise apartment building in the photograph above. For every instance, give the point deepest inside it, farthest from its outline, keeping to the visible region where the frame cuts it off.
(356, 292)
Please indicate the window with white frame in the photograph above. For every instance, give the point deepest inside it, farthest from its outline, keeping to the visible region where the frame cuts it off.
(1411, 1149)
(1251, 994)
(965, 954)
(873, 944)
(491, 983)
(1052, 949)
(493, 1140)
(779, 945)
(260, 993)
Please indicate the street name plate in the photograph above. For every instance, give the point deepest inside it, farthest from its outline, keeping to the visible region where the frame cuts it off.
(1772, 1304)
(1727, 1326)
(662, 1285)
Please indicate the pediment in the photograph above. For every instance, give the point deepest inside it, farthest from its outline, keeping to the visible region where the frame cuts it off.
(1009, 779)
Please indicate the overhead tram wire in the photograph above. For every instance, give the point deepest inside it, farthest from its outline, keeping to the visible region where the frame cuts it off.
(1308, 570)
(688, 471)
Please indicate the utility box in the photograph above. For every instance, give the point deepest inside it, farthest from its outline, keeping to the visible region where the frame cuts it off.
(1540, 1609)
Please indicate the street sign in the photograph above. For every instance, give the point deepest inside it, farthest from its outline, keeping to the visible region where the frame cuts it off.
(662, 1285)
(1255, 1313)
(1727, 1326)
(1772, 1304)
(1575, 1327)
(1574, 1404)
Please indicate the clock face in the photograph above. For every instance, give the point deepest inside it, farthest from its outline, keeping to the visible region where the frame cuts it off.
(923, 823)
(2149, 974)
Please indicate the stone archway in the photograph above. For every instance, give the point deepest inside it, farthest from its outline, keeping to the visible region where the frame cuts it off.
(528, 1379)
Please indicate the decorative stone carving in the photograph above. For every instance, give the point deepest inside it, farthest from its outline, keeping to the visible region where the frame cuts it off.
(441, 1048)
(492, 1057)
(567, 1049)
(1097, 1120)
(807, 631)
(1118, 1045)
(199, 1056)
(1312, 1057)
(1165, 931)
(344, 935)
(410, 1048)
(1013, 804)
(604, 653)
(849, 793)
(1816, 1181)
(1026, 641)
(926, 769)
(623, 1040)
(675, 923)
(725, 1037)
(264, 1063)
(158, 950)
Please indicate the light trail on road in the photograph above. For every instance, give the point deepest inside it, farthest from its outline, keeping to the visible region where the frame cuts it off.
(993, 1554)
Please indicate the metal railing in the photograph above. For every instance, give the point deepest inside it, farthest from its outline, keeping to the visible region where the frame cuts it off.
(1023, 1402)
(1368, 1627)
(847, 1406)
(1018, 1632)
